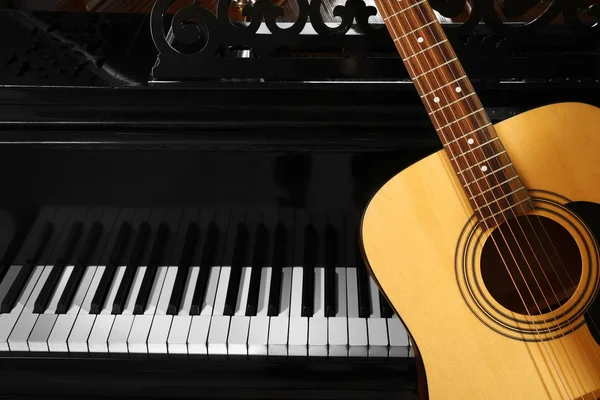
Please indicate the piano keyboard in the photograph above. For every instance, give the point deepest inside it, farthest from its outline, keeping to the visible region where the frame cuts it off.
(205, 282)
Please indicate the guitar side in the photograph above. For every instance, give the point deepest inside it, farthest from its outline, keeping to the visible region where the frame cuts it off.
(411, 233)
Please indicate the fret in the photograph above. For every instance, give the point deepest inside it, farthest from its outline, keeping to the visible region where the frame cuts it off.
(470, 133)
(475, 148)
(481, 162)
(454, 102)
(488, 175)
(403, 10)
(427, 49)
(414, 31)
(461, 118)
(435, 68)
(506, 209)
(494, 187)
(496, 200)
(443, 86)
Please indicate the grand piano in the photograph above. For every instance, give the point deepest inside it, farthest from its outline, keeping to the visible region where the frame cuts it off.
(182, 191)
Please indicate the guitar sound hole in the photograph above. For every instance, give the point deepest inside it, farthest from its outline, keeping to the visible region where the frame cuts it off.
(531, 265)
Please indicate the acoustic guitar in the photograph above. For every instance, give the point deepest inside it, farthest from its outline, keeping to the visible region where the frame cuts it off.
(486, 249)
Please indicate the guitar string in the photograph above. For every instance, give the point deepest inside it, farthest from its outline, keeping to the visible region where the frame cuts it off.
(539, 241)
(444, 95)
(493, 240)
(589, 338)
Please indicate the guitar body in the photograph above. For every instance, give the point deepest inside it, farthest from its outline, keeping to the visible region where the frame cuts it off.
(425, 250)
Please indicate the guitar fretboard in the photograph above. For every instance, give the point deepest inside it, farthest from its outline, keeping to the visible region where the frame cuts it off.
(478, 157)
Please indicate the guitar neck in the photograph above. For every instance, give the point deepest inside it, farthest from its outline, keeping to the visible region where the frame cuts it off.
(480, 162)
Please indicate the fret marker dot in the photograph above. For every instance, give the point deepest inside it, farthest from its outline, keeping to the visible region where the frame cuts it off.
(484, 168)
(437, 99)
(458, 90)
(420, 40)
(471, 141)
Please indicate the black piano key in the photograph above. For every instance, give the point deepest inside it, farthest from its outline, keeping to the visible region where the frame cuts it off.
(41, 303)
(207, 261)
(75, 278)
(330, 264)
(258, 263)
(241, 243)
(308, 275)
(386, 309)
(111, 269)
(278, 263)
(187, 253)
(364, 305)
(19, 283)
(136, 254)
(159, 246)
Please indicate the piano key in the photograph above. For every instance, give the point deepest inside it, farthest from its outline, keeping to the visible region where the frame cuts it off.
(17, 340)
(398, 337)
(298, 329)
(317, 325)
(8, 320)
(140, 330)
(331, 252)
(57, 341)
(109, 273)
(386, 309)
(376, 325)
(38, 338)
(279, 325)
(211, 250)
(9, 279)
(139, 246)
(177, 342)
(258, 263)
(8, 301)
(259, 324)
(235, 272)
(191, 240)
(237, 341)
(117, 340)
(278, 263)
(75, 279)
(161, 324)
(198, 335)
(357, 326)
(338, 325)
(364, 302)
(41, 303)
(308, 274)
(157, 252)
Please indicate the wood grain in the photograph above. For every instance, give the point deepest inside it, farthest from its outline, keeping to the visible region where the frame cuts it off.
(410, 233)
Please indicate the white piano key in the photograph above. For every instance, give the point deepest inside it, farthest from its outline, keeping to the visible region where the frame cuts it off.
(78, 336)
(377, 326)
(17, 341)
(398, 337)
(137, 342)
(121, 327)
(188, 293)
(338, 325)
(237, 340)
(211, 291)
(357, 327)
(178, 335)
(8, 320)
(259, 324)
(217, 335)
(198, 335)
(40, 334)
(243, 290)
(8, 280)
(161, 325)
(298, 330)
(279, 325)
(317, 324)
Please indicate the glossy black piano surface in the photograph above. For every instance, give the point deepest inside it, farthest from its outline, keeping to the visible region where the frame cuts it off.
(198, 238)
